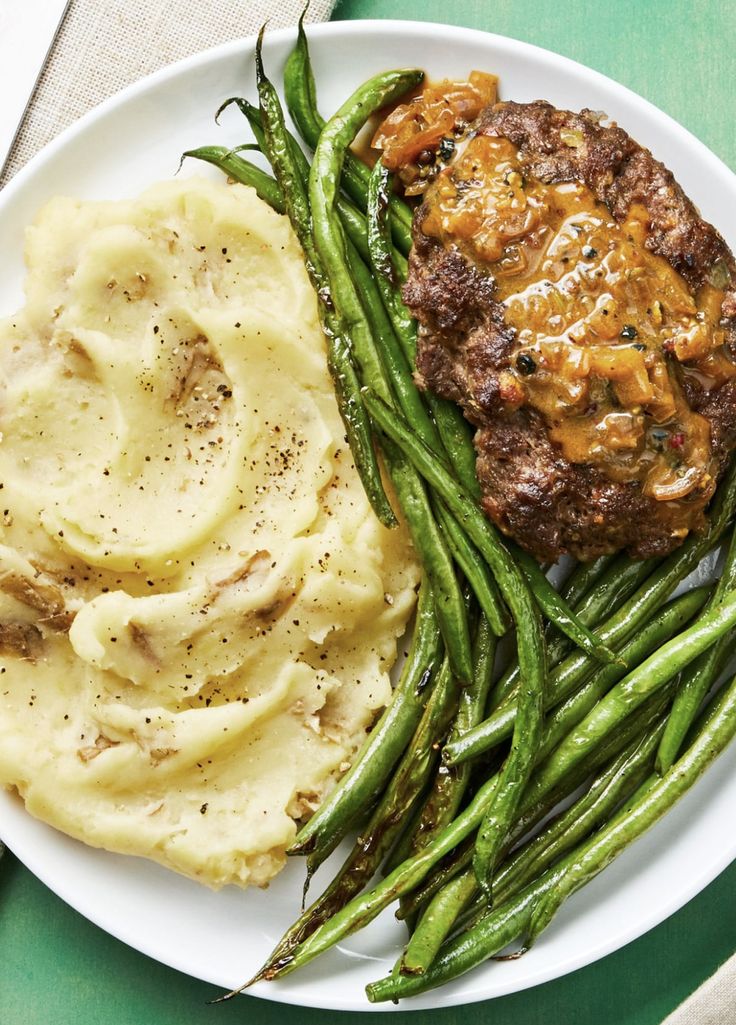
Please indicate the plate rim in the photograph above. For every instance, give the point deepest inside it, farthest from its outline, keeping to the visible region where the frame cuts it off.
(697, 881)
(276, 36)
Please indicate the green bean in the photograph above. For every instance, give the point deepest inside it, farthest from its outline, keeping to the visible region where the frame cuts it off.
(701, 677)
(525, 612)
(457, 438)
(251, 113)
(353, 220)
(301, 99)
(402, 794)
(381, 258)
(620, 581)
(516, 871)
(568, 675)
(416, 901)
(623, 760)
(276, 145)
(436, 559)
(404, 844)
(324, 178)
(695, 684)
(474, 569)
(583, 577)
(630, 692)
(439, 712)
(373, 842)
(289, 175)
(660, 629)
(394, 362)
(557, 610)
(491, 934)
(614, 784)
(633, 820)
(512, 783)
(415, 770)
(412, 872)
(436, 924)
(444, 796)
(534, 907)
(449, 787)
(267, 188)
(331, 247)
(534, 810)
(374, 763)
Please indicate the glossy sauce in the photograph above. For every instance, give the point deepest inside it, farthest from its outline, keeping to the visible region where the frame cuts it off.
(602, 324)
(417, 135)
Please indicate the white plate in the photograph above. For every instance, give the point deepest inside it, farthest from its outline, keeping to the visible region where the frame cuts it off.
(117, 150)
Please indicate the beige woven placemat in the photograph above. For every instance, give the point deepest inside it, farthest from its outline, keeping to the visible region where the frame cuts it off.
(104, 45)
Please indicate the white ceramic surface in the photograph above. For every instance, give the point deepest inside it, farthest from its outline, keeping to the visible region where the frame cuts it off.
(115, 151)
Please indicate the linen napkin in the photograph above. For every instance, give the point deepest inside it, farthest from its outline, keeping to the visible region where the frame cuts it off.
(104, 45)
(714, 1003)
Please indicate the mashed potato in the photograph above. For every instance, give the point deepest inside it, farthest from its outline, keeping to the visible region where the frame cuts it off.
(198, 609)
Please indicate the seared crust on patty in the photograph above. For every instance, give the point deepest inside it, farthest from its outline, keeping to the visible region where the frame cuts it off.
(551, 506)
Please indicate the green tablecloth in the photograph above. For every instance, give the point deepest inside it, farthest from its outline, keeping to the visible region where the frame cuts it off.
(57, 969)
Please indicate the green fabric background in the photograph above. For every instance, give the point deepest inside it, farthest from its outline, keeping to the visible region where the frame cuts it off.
(57, 969)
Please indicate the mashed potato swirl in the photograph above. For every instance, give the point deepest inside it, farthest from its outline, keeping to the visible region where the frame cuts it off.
(198, 608)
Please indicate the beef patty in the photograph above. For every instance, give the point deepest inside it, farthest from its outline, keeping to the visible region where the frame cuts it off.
(573, 301)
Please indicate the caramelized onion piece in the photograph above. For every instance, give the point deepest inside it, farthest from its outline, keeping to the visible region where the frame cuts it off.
(413, 135)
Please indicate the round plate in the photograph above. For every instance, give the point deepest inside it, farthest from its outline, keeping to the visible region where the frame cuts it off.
(117, 150)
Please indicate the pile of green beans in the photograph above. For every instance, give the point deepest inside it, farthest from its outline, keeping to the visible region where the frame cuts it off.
(452, 791)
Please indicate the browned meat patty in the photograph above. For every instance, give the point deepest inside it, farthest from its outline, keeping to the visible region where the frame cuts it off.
(555, 491)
